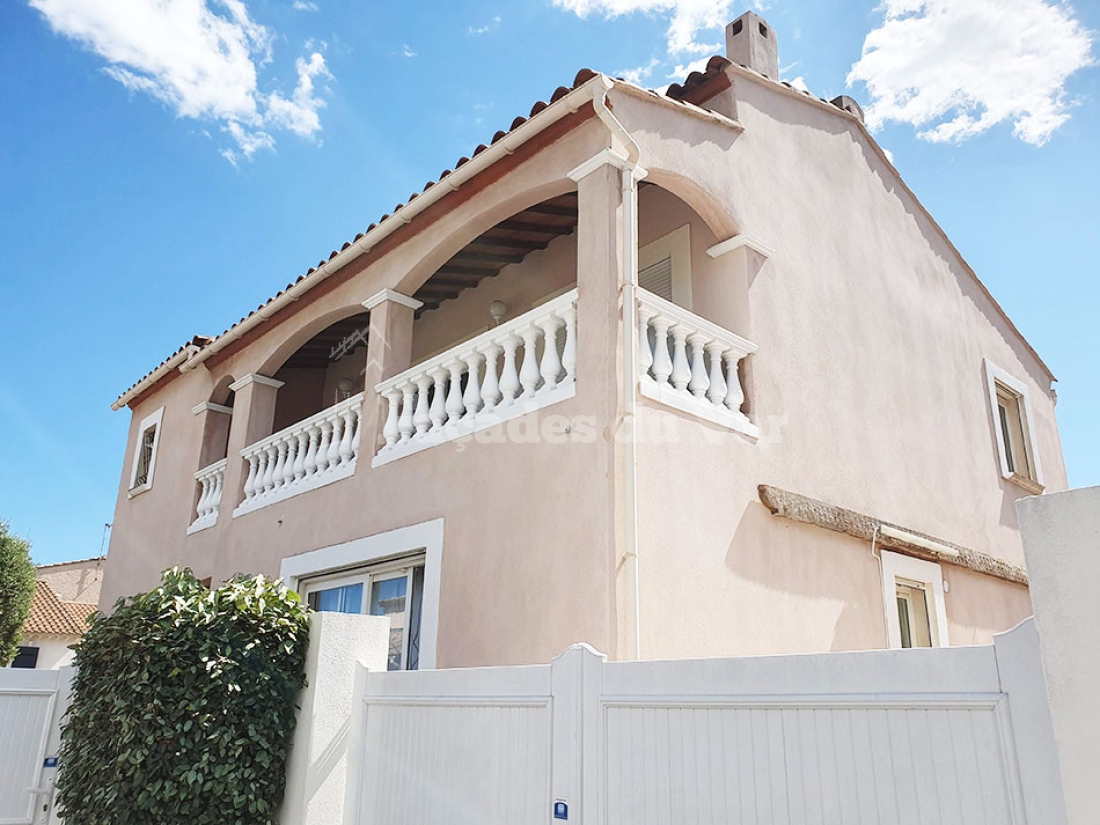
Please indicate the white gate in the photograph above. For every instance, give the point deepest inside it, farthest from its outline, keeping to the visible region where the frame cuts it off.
(30, 710)
(951, 736)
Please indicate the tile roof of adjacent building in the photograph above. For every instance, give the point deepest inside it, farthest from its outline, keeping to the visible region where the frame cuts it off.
(50, 616)
(696, 89)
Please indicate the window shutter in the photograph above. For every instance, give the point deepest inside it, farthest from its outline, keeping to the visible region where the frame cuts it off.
(657, 278)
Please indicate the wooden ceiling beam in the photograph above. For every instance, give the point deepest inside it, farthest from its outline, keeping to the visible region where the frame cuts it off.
(490, 257)
(552, 209)
(540, 228)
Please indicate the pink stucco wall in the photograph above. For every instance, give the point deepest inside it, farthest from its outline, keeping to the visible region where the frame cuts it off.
(867, 388)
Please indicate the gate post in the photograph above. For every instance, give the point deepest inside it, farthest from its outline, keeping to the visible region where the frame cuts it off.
(576, 770)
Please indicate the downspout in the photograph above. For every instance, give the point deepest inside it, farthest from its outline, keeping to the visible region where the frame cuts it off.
(631, 174)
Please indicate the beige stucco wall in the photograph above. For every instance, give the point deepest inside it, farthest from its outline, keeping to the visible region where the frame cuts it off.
(74, 581)
(867, 386)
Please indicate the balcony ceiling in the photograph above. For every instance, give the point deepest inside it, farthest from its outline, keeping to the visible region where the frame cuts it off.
(509, 242)
(317, 352)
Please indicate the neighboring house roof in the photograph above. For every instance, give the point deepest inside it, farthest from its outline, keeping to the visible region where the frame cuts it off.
(52, 617)
(697, 88)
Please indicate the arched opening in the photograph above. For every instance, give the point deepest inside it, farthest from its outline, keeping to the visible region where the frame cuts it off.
(323, 371)
(219, 417)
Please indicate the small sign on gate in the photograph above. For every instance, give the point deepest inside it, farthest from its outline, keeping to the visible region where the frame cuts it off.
(561, 809)
(49, 762)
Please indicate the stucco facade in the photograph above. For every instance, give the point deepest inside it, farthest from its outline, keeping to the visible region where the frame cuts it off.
(610, 517)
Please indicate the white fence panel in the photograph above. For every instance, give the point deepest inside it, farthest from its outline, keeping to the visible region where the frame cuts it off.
(456, 746)
(913, 737)
(27, 704)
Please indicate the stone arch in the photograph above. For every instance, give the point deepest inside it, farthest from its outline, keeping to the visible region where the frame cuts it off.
(719, 217)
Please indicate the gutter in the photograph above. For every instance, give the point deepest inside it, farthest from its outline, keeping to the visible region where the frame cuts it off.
(178, 360)
(566, 105)
(631, 174)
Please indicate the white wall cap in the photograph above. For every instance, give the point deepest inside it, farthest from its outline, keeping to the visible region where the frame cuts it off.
(254, 378)
(208, 406)
(392, 295)
(738, 241)
(607, 157)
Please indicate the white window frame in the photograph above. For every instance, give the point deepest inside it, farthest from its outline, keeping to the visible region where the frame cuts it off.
(677, 246)
(152, 420)
(353, 557)
(995, 375)
(927, 574)
(403, 567)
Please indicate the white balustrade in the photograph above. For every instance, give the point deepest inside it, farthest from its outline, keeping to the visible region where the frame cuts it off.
(522, 365)
(690, 363)
(312, 453)
(211, 480)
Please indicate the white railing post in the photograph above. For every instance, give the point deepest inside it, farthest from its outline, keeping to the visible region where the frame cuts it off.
(518, 378)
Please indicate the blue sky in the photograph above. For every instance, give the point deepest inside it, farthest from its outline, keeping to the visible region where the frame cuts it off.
(167, 167)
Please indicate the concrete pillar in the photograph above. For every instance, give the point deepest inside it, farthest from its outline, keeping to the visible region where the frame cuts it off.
(253, 417)
(389, 352)
(317, 771)
(1061, 535)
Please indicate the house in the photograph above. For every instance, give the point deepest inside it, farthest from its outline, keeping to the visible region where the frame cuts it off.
(65, 596)
(676, 374)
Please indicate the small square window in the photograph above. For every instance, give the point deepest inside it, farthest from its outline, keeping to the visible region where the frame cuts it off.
(916, 612)
(1012, 429)
(145, 453)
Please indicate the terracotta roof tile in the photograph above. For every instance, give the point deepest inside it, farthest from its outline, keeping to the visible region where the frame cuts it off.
(52, 617)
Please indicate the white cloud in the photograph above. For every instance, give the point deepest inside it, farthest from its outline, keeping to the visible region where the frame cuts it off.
(305, 5)
(640, 73)
(406, 51)
(955, 68)
(201, 59)
(687, 18)
(488, 27)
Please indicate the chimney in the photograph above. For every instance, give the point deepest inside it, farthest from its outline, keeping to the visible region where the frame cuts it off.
(750, 41)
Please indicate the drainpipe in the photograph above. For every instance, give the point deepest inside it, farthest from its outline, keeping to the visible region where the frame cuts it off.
(631, 174)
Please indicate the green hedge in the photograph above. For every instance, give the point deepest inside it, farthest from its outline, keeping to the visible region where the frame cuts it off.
(184, 706)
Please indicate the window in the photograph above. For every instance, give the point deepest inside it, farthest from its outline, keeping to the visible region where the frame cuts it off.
(395, 589)
(664, 267)
(27, 657)
(395, 574)
(1011, 409)
(145, 453)
(916, 614)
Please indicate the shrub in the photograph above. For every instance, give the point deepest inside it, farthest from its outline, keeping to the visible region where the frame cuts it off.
(184, 705)
(17, 578)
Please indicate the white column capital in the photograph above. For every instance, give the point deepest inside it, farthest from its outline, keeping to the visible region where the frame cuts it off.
(209, 406)
(608, 157)
(254, 378)
(394, 296)
(739, 241)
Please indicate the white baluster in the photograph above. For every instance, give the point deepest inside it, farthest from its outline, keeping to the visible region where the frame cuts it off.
(390, 431)
(323, 445)
(438, 409)
(645, 352)
(662, 363)
(681, 370)
(300, 455)
(271, 453)
(455, 405)
(204, 497)
(490, 387)
(509, 379)
(345, 450)
(311, 453)
(699, 380)
(550, 366)
(735, 397)
(569, 351)
(529, 371)
(216, 498)
(280, 463)
(421, 420)
(250, 482)
(291, 457)
(405, 422)
(355, 436)
(471, 398)
(716, 394)
(334, 442)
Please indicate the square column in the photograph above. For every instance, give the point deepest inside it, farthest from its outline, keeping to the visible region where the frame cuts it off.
(389, 352)
(253, 418)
